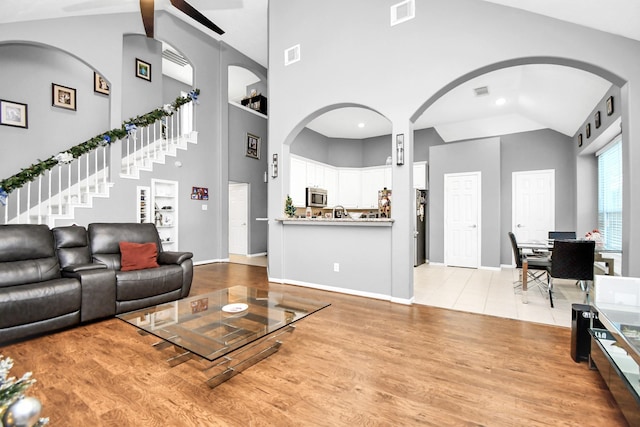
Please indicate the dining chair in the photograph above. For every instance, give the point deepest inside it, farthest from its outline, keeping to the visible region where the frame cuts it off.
(562, 235)
(537, 265)
(572, 259)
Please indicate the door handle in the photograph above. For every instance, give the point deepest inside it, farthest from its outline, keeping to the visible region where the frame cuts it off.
(473, 226)
(519, 225)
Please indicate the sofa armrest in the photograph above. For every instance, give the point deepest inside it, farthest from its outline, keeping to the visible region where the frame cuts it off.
(75, 268)
(170, 257)
(98, 287)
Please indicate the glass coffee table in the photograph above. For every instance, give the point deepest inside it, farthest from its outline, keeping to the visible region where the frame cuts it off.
(229, 330)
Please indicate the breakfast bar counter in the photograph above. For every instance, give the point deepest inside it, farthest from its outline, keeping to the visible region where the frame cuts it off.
(366, 222)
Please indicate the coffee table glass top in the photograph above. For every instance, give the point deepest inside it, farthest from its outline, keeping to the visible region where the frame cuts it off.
(218, 323)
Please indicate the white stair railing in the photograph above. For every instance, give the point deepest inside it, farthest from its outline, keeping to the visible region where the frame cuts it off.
(54, 194)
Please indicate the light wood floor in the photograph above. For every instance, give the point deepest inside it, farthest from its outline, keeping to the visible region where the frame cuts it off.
(359, 362)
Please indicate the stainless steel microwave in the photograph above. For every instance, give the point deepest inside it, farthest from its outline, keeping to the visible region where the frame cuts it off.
(316, 197)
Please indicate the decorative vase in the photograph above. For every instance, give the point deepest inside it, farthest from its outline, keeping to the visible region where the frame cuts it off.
(24, 412)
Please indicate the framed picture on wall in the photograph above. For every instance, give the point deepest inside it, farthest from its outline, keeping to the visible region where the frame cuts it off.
(587, 130)
(63, 97)
(13, 114)
(596, 119)
(580, 140)
(143, 69)
(610, 106)
(100, 84)
(253, 146)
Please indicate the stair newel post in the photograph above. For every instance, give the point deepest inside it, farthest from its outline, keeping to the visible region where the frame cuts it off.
(28, 202)
(18, 191)
(128, 154)
(86, 181)
(59, 189)
(179, 123)
(69, 199)
(49, 207)
(79, 182)
(40, 199)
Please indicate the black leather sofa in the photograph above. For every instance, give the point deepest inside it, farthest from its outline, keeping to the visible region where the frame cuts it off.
(55, 278)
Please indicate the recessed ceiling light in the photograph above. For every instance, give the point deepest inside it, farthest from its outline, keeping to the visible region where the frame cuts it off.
(501, 101)
(360, 125)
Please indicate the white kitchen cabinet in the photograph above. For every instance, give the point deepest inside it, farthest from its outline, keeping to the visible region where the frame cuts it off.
(373, 180)
(165, 208)
(315, 175)
(331, 185)
(350, 187)
(298, 181)
(420, 175)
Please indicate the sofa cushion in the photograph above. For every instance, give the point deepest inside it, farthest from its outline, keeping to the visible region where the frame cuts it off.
(132, 285)
(39, 301)
(25, 241)
(138, 256)
(105, 238)
(28, 271)
(72, 245)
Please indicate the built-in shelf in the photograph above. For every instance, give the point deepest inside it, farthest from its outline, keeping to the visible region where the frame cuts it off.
(165, 211)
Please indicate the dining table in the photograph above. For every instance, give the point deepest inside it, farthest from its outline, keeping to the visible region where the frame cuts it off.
(540, 247)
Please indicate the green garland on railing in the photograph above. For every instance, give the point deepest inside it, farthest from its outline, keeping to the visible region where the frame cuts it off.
(32, 172)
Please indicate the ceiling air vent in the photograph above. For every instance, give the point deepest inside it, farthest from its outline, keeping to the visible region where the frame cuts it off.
(481, 91)
(292, 55)
(174, 57)
(402, 12)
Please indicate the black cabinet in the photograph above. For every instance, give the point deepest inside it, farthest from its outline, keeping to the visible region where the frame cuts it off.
(257, 103)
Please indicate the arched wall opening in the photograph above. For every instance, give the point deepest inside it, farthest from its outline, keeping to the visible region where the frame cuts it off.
(576, 196)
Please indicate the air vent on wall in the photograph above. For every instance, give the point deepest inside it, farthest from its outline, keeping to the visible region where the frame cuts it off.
(480, 91)
(402, 12)
(292, 55)
(174, 57)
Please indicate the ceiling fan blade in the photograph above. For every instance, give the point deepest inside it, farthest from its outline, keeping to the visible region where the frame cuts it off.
(146, 9)
(192, 12)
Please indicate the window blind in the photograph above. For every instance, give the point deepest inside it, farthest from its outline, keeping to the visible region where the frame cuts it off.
(610, 195)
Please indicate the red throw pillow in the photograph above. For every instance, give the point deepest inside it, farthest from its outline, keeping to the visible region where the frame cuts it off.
(138, 256)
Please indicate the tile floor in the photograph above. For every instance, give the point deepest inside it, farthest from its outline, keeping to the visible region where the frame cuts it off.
(492, 292)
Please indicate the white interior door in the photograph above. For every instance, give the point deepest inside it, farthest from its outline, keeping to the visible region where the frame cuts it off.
(238, 218)
(462, 219)
(533, 204)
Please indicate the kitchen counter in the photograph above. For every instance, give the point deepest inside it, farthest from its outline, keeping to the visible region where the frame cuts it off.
(366, 222)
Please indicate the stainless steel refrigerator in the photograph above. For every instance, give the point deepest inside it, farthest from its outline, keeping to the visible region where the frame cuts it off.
(420, 228)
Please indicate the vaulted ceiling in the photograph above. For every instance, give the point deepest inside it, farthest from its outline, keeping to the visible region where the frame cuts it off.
(568, 95)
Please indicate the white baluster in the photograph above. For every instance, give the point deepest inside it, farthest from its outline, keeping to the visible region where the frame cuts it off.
(127, 157)
(69, 200)
(18, 205)
(95, 172)
(28, 202)
(59, 189)
(78, 183)
(104, 166)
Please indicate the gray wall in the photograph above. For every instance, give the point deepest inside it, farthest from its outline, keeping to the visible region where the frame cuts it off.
(537, 150)
(249, 170)
(71, 49)
(26, 75)
(470, 156)
(399, 75)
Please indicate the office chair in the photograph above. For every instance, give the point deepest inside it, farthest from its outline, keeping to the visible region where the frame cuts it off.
(537, 265)
(562, 235)
(572, 259)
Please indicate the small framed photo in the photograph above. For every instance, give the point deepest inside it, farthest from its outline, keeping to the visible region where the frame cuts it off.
(580, 140)
(100, 84)
(13, 114)
(253, 146)
(63, 97)
(143, 69)
(199, 193)
(610, 106)
(596, 119)
(587, 130)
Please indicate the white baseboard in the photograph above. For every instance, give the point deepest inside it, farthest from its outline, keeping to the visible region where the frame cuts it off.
(256, 255)
(343, 291)
(210, 261)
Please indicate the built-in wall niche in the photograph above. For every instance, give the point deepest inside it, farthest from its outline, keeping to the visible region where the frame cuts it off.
(165, 211)
(247, 89)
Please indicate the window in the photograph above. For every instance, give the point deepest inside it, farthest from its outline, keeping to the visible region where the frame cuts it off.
(610, 194)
